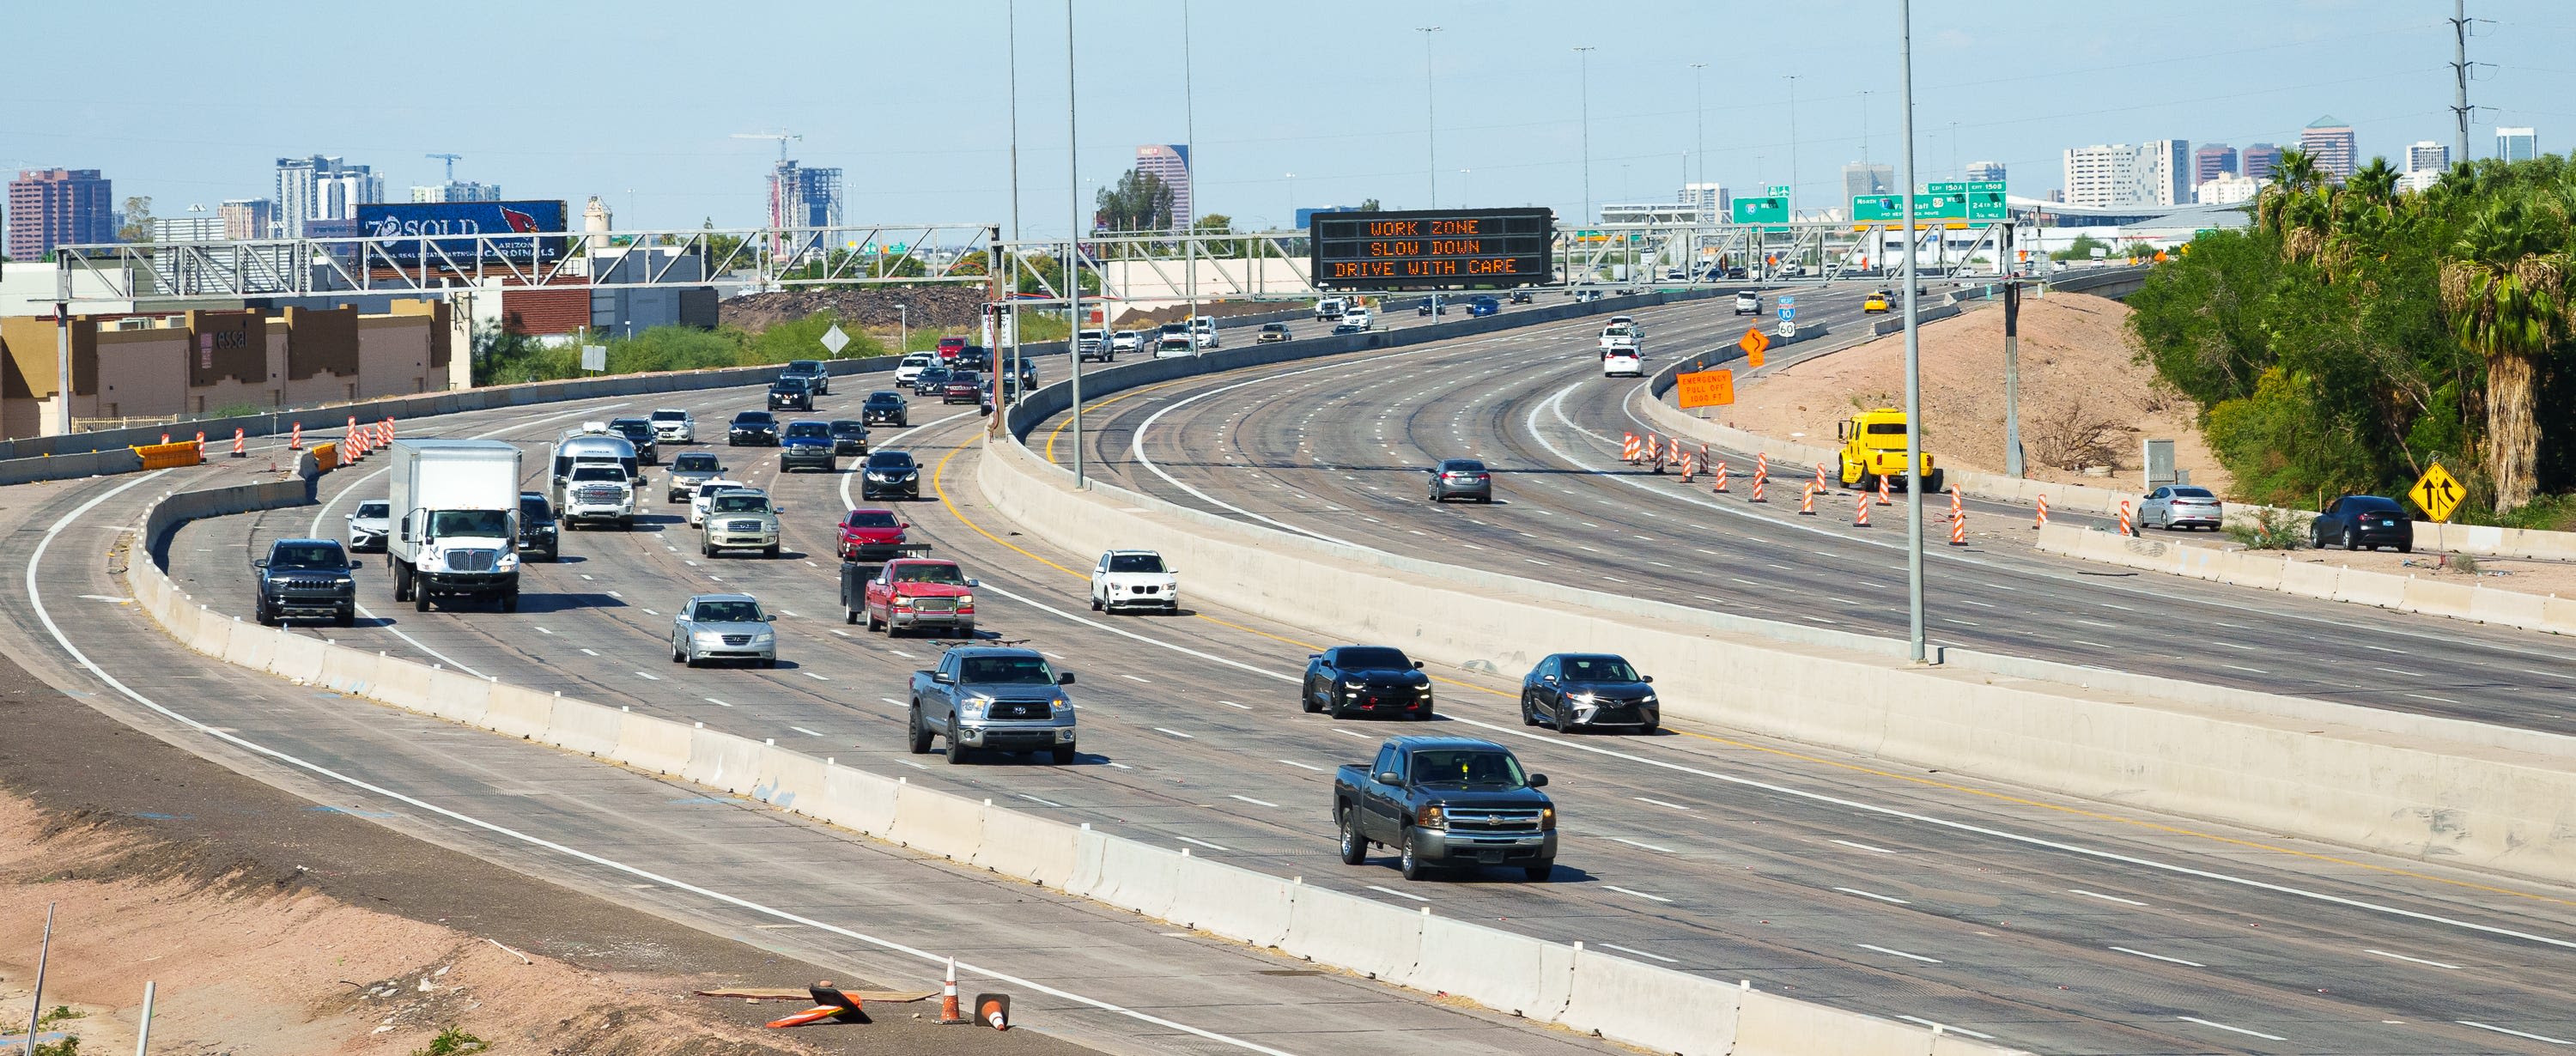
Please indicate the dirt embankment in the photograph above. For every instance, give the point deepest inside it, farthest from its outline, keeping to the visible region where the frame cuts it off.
(925, 307)
(2085, 401)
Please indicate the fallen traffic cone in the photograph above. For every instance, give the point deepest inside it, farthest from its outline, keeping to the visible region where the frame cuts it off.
(830, 1003)
(994, 1010)
(948, 996)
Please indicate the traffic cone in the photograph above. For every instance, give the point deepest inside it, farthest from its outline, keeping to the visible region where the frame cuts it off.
(1721, 477)
(2126, 528)
(1882, 492)
(1758, 481)
(1959, 530)
(296, 442)
(994, 1010)
(948, 996)
(1820, 478)
(201, 445)
(1860, 511)
(1690, 466)
(1807, 501)
(241, 443)
(1629, 448)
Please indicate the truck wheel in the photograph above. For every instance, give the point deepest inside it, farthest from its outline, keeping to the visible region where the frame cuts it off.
(402, 581)
(1354, 846)
(1410, 861)
(919, 731)
(347, 617)
(706, 550)
(1932, 481)
(956, 744)
(1538, 874)
(419, 599)
(849, 615)
(259, 611)
(1062, 755)
(510, 602)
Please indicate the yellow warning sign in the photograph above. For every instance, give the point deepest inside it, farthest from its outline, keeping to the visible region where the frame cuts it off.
(2437, 493)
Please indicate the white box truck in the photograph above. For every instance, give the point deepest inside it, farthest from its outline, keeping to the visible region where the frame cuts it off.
(455, 505)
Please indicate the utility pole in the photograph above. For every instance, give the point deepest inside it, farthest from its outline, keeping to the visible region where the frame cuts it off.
(1189, 182)
(1793, 147)
(1699, 105)
(1010, 275)
(2460, 72)
(1583, 80)
(2012, 371)
(1430, 117)
(1073, 243)
(62, 345)
(1913, 357)
(1864, 130)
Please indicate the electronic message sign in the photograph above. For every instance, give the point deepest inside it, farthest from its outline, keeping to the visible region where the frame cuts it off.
(1431, 248)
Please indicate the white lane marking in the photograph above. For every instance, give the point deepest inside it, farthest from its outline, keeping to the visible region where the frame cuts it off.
(1950, 1027)
(1659, 803)
(804, 731)
(1639, 894)
(1133, 678)
(2381, 648)
(2509, 1030)
(1303, 766)
(2159, 957)
(106, 598)
(815, 677)
(1398, 894)
(1254, 802)
(1231, 704)
(1122, 766)
(1847, 803)
(2255, 670)
(1034, 799)
(650, 612)
(1203, 843)
(1638, 952)
(542, 630)
(650, 677)
(1864, 894)
(1176, 733)
(1643, 846)
(2104, 897)
(1899, 953)
(35, 600)
(840, 632)
(2239, 1030)
(592, 652)
(910, 763)
(901, 653)
(896, 703)
(1865, 847)
(718, 703)
(1972, 601)
(2444, 700)
(2413, 960)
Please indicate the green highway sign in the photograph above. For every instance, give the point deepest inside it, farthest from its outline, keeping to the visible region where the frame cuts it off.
(1943, 202)
(1986, 200)
(1768, 210)
(1779, 190)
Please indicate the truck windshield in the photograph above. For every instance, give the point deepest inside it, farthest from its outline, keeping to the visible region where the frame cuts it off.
(1887, 428)
(728, 612)
(307, 556)
(925, 572)
(598, 473)
(488, 524)
(1005, 671)
(809, 431)
(1467, 766)
(740, 504)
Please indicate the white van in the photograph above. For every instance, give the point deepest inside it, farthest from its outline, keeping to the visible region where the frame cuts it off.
(1330, 308)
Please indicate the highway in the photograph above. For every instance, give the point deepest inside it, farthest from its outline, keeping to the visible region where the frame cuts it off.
(2054, 925)
(1339, 450)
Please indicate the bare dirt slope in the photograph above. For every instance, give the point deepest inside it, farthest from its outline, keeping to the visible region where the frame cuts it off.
(2085, 402)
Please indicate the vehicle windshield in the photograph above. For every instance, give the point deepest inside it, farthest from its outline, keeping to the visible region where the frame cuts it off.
(929, 572)
(935, 374)
(696, 462)
(1468, 766)
(728, 612)
(532, 509)
(1375, 659)
(709, 489)
(1598, 669)
(809, 429)
(806, 365)
(1886, 428)
(890, 460)
(670, 416)
(966, 378)
(754, 418)
(1135, 563)
(870, 519)
(2193, 493)
(884, 399)
(631, 426)
(740, 504)
(580, 473)
(849, 427)
(1005, 671)
(489, 524)
(376, 508)
(789, 385)
(306, 555)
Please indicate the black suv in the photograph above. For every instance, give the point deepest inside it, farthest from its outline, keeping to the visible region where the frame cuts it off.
(886, 407)
(849, 436)
(306, 579)
(753, 429)
(791, 394)
(538, 532)
(812, 373)
(2357, 521)
(639, 432)
(889, 473)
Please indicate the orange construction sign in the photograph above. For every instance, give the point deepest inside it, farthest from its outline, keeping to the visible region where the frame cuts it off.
(1707, 388)
(1754, 343)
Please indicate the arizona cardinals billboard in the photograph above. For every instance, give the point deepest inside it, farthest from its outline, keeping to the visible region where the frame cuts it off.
(504, 230)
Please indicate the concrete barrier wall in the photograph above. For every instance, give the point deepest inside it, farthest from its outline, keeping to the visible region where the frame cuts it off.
(1541, 981)
(2268, 570)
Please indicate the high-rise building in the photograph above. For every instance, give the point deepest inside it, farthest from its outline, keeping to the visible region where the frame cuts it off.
(248, 217)
(2226, 188)
(1710, 201)
(803, 197)
(2517, 144)
(2330, 142)
(57, 207)
(2117, 174)
(457, 191)
(2164, 176)
(2210, 161)
(322, 188)
(1170, 163)
(1989, 171)
(2259, 161)
(2427, 156)
(1861, 178)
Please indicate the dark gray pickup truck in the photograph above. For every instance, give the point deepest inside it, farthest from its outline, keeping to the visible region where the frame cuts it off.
(1446, 801)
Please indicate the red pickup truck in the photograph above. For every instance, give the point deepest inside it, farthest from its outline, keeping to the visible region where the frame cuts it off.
(912, 593)
(949, 347)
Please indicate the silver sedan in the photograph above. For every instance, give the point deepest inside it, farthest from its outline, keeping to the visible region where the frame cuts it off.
(723, 627)
(2181, 506)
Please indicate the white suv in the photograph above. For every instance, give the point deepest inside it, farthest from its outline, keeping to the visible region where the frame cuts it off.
(1359, 317)
(672, 425)
(1134, 579)
(912, 366)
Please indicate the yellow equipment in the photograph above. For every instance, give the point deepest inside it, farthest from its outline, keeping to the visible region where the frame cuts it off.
(1874, 448)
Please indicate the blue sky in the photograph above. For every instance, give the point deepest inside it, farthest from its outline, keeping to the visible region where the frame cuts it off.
(638, 101)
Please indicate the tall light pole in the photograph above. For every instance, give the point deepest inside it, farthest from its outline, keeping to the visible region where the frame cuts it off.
(1430, 118)
(1699, 103)
(1010, 275)
(1913, 356)
(1073, 242)
(1864, 129)
(1583, 77)
(1190, 186)
(1793, 146)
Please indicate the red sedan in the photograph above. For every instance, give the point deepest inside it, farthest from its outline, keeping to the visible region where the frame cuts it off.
(872, 536)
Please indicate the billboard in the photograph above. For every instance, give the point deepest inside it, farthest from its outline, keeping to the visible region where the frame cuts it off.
(450, 230)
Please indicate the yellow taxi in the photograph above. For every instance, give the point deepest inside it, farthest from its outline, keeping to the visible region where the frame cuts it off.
(1876, 302)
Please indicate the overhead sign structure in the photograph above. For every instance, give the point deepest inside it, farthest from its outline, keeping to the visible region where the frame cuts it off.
(1431, 249)
(1950, 203)
(1706, 388)
(1773, 209)
(465, 233)
(2437, 493)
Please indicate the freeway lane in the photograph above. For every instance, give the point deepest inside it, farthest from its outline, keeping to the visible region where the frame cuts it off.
(1338, 451)
(1672, 857)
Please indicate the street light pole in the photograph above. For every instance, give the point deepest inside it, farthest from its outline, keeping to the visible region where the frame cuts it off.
(1583, 79)
(1190, 182)
(1430, 118)
(903, 329)
(1913, 357)
(1699, 104)
(1073, 242)
(1793, 146)
(1010, 275)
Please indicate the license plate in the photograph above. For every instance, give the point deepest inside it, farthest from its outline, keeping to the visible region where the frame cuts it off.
(1489, 857)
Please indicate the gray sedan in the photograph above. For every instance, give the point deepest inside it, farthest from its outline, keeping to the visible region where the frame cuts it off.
(2180, 506)
(1461, 478)
(723, 627)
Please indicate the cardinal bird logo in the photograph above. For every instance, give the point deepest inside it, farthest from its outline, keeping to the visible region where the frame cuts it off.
(520, 222)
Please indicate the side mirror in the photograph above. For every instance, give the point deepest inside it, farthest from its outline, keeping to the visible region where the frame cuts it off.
(768, 617)
(1538, 781)
(1417, 665)
(943, 678)
(1064, 678)
(261, 563)
(974, 582)
(1550, 678)
(1388, 778)
(348, 516)
(903, 524)
(355, 564)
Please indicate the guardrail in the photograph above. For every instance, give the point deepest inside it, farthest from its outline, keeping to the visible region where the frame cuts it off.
(1546, 982)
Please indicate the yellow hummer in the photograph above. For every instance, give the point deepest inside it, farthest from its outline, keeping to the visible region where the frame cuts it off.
(1874, 447)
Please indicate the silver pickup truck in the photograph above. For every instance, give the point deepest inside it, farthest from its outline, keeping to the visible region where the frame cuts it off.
(989, 697)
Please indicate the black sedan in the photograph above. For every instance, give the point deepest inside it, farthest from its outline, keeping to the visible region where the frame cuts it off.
(963, 386)
(538, 532)
(1366, 680)
(849, 436)
(2357, 521)
(889, 473)
(886, 407)
(752, 429)
(1572, 690)
(930, 381)
(639, 432)
(791, 394)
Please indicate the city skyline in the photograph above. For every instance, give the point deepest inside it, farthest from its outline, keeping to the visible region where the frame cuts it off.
(673, 163)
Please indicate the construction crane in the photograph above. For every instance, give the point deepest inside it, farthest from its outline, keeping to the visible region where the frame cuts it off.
(451, 160)
(781, 137)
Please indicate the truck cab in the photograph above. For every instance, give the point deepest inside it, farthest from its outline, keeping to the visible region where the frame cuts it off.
(1446, 801)
(993, 698)
(914, 594)
(1874, 450)
(456, 527)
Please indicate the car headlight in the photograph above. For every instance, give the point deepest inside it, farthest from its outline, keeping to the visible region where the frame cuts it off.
(1547, 818)
(1431, 817)
(1647, 699)
(1061, 705)
(965, 600)
(1353, 684)
(973, 708)
(1581, 698)
(507, 562)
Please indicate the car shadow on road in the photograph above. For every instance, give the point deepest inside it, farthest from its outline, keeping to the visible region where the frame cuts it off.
(535, 602)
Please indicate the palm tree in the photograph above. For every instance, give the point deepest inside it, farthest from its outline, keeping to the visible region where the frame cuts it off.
(2504, 286)
(2294, 175)
(2376, 182)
